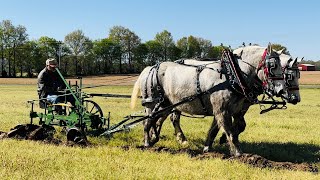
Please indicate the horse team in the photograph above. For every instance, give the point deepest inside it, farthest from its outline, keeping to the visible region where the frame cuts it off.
(169, 83)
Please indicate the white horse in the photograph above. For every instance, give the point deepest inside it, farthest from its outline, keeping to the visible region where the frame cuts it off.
(291, 95)
(170, 83)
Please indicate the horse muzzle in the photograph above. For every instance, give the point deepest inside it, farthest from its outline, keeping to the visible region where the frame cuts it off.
(293, 99)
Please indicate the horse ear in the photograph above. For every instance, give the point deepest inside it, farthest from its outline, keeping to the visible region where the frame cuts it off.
(269, 49)
(292, 63)
(281, 51)
(299, 60)
(238, 52)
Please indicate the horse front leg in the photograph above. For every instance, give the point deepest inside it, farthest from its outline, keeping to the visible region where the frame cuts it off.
(239, 125)
(214, 129)
(156, 128)
(147, 124)
(175, 119)
(225, 122)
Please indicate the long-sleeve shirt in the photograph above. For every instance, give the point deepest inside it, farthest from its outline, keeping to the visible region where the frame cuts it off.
(49, 82)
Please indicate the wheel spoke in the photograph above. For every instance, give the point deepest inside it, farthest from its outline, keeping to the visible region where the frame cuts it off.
(91, 109)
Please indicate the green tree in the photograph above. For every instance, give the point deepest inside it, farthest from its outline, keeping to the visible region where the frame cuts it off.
(175, 53)
(140, 54)
(2, 49)
(79, 44)
(154, 52)
(279, 47)
(189, 46)
(165, 39)
(182, 44)
(31, 58)
(20, 37)
(106, 51)
(128, 41)
(7, 33)
(216, 51)
(205, 47)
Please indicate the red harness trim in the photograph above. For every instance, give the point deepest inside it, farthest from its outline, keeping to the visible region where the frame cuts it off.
(263, 59)
(261, 64)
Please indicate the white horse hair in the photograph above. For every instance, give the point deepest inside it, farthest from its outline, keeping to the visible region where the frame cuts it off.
(178, 82)
(289, 65)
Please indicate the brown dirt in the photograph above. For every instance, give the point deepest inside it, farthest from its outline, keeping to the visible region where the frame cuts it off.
(250, 159)
(307, 77)
(128, 79)
(310, 77)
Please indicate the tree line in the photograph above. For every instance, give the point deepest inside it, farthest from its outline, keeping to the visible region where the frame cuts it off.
(121, 51)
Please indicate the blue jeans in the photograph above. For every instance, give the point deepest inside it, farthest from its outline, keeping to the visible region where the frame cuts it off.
(54, 99)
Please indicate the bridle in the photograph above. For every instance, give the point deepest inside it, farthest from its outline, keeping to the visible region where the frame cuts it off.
(290, 73)
(269, 63)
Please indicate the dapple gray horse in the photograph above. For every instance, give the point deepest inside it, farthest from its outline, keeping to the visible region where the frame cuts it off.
(291, 95)
(173, 83)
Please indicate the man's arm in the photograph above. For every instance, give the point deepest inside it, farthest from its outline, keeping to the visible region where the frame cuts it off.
(43, 85)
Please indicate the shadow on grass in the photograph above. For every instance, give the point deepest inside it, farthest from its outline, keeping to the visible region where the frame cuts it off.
(280, 152)
(291, 152)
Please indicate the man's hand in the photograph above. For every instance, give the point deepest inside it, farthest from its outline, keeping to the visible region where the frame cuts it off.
(60, 89)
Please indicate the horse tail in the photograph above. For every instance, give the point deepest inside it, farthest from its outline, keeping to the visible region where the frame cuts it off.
(136, 88)
(135, 93)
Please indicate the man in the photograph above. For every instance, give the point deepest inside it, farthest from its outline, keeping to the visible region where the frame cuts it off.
(50, 83)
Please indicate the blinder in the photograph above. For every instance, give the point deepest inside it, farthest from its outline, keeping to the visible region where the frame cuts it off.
(273, 72)
(290, 74)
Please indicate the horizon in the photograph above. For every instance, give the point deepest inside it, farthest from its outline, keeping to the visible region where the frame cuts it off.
(229, 23)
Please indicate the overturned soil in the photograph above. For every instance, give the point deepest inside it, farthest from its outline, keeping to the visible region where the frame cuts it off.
(250, 159)
(42, 133)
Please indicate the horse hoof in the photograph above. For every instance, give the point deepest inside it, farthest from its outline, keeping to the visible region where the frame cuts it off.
(237, 153)
(206, 149)
(146, 145)
(184, 143)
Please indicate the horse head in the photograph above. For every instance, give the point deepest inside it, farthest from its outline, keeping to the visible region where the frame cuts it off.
(266, 64)
(291, 77)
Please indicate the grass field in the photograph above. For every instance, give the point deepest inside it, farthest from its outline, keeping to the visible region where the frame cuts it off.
(290, 135)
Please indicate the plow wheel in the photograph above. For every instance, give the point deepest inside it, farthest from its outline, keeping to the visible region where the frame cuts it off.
(77, 136)
(95, 112)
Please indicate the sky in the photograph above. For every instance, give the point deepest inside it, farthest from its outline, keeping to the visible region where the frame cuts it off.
(295, 24)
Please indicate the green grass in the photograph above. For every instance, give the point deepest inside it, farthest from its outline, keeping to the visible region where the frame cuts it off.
(280, 135)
